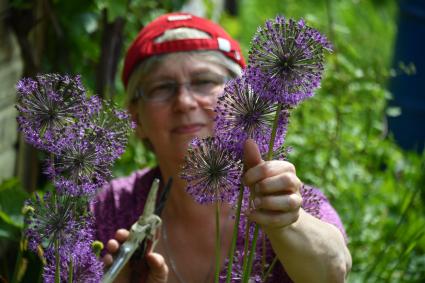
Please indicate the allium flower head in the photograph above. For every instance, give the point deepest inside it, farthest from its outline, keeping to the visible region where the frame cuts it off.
(83, 136)
(243, 114)
(81, 162)
(109, 127)
(286, 60)
(86, 268)
(52, 218)
(47, 105)
(212, 171)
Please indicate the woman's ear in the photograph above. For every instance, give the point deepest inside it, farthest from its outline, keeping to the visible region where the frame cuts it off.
(135, 117)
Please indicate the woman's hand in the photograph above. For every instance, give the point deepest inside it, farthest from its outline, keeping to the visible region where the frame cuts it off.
(158, 270)
(275, 187)
(299, 239)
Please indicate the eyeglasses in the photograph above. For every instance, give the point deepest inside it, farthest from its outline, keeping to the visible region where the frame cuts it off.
(202, 85)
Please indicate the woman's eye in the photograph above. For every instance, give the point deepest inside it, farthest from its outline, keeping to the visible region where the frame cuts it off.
(204, 82)
(162, 88)
(166, 86)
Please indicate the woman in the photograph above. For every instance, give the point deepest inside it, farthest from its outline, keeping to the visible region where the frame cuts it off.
(173, 73)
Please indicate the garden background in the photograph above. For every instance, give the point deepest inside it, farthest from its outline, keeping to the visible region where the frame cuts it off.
(340, 138)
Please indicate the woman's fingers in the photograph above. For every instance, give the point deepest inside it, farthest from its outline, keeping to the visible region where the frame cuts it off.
(272, 219)
(113, 245)
(275, 189)
(266, 170)
(278, 203)
(286, 182)
(107, 260)
(122, 235)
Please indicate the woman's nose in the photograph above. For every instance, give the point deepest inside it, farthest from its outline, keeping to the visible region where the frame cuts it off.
(184, 98)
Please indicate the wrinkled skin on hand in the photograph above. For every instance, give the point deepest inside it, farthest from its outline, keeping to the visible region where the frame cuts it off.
(158, 270)
(275, 188)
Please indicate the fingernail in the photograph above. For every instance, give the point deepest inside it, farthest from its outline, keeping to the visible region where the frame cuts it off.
(257, 188)
(257, 202)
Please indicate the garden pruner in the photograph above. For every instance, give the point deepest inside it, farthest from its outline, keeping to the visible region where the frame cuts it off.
(141, 232)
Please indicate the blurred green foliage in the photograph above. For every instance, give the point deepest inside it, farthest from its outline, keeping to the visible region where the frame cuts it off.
(339, 138)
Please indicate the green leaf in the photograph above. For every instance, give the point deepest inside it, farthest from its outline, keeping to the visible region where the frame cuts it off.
(12, 198)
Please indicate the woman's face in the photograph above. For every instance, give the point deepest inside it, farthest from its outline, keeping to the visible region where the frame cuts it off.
(192, 86)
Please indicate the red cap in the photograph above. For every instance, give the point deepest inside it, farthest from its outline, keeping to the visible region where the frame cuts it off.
(144, 46)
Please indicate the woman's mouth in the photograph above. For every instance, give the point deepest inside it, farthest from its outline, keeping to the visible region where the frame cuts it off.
(188, 129)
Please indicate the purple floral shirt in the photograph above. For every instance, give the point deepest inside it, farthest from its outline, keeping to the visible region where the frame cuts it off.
(120, 203)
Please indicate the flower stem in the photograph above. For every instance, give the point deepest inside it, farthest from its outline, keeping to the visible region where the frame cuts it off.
(248, 269)
(264, 278)
(217, 242)
(246, 241)
(274, 130)
(70, 271)
(19, 266)
(235, 235)
(57, 257)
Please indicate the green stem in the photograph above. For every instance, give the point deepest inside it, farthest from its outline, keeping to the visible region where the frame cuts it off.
(70, 271)
(274, 130)
(264, 278)
(248, 269)
(247, 272)
(19, 260)
(57, 244)
(235, 235)
(217, 242)
(57, 257)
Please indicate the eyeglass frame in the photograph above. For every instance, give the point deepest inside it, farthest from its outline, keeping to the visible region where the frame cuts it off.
(174, 86)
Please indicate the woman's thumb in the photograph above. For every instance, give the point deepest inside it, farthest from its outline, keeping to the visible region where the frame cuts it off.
(252, 155)
(158, 269)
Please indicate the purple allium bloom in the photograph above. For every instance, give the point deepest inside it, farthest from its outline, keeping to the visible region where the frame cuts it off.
(212, 171)
(81, 161)
(93, 104)
(54, 217)
(286, 60)
(86, 150)
(243, 114)
(65, 186)
(109, 128)
(47, 105)
(311, 201)
(86, 267)
(83, 136)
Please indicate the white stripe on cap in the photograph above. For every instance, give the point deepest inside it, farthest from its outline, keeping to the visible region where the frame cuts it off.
(223, 44)
(173, 18)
